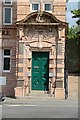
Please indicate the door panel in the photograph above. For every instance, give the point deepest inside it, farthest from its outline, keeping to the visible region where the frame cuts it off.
(45, 69)
(40, 70)
(35, 72)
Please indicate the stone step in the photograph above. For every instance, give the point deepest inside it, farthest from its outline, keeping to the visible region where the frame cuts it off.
(39, 94)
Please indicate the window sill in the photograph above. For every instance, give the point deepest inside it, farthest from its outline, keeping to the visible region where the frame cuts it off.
(48, 11)
(6, 71)
(7, 23)
(7, 3)
(34, 10)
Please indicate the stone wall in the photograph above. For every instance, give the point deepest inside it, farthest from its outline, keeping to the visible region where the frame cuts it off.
(58, 8)
(73, 85)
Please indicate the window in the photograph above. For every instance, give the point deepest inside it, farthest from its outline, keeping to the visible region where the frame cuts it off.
(6, 56)
(48, 7)
(8, 2)
(35, 6)
(7, 15)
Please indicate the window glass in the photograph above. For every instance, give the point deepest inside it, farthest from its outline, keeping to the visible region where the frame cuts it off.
(7, 16)
(6, 63)
(6, 56)
(6, 52)
(35, 6)
(47, 7)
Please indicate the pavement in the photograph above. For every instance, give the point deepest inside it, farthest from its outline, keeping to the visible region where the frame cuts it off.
(29, 99)
(45, 107)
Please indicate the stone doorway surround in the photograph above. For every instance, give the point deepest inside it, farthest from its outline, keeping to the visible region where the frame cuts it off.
(41, 31)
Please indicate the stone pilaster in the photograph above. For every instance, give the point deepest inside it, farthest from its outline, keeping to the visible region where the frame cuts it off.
(59, 90)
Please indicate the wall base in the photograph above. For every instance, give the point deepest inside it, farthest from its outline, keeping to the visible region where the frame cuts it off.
(21, 91)
(18, 92)
(60, 93)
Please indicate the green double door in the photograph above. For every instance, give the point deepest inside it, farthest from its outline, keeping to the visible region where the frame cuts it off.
(40, 70)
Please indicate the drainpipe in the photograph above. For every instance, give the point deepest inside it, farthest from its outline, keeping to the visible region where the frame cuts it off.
(0, 38)
(1, 44)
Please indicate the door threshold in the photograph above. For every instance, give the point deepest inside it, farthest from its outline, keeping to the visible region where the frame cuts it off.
(38, 91)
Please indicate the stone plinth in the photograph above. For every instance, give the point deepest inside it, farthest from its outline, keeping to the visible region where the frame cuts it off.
(60, 93)
(18, 92)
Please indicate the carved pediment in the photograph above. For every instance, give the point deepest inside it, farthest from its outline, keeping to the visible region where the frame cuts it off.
(40, 17)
